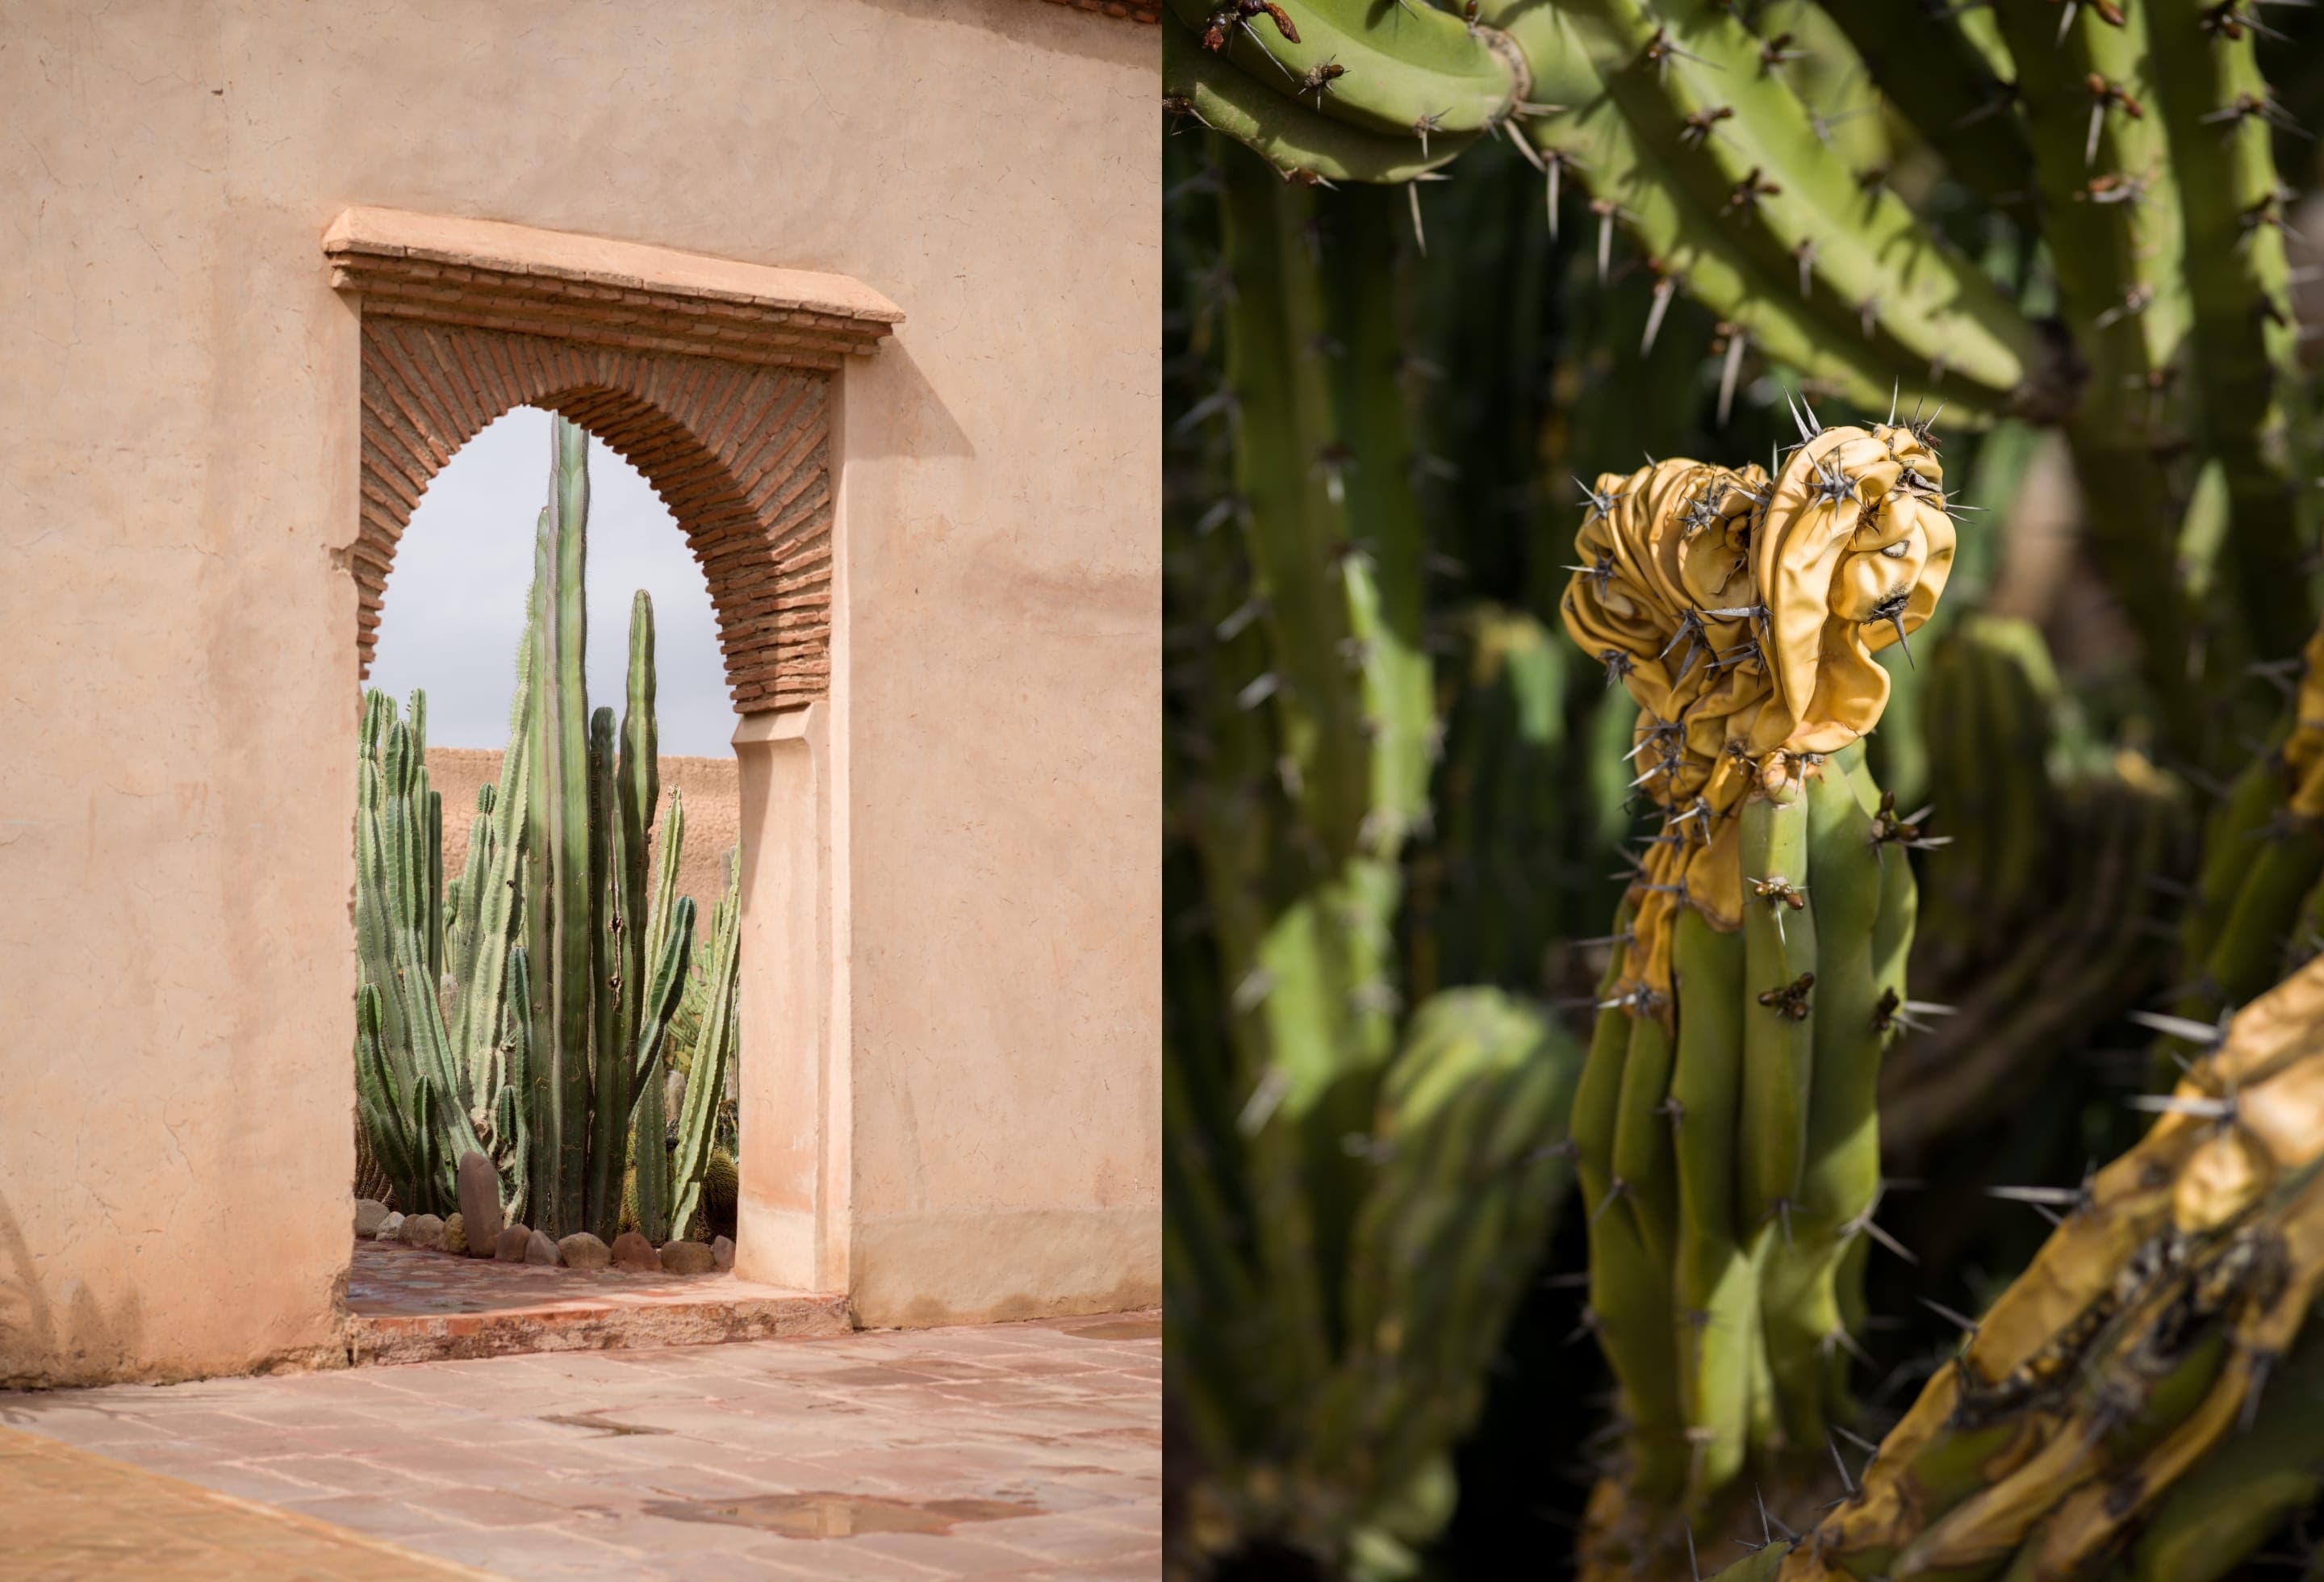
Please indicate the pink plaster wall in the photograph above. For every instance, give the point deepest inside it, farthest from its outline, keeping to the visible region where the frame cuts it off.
(178, 697)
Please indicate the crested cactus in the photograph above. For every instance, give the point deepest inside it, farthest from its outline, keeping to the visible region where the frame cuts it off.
(1728, 1144)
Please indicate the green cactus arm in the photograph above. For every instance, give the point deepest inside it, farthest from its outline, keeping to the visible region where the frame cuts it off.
(495, 909)
(1931, 69)
(668, 848)
(1385, 582)
(1467, 1189)
(648, 1123)
(636, 781)
(1400, 67)
(559, 837)
(609, 1052)
(663, 987)
(713, 1053)
(2124, 303)
(1690, 241)
(1284, 131)
(1289, 462)
(513, 1102)
(2241, 354)
(1865, 248)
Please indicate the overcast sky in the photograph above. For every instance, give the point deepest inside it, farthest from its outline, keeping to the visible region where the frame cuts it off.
(455, 604)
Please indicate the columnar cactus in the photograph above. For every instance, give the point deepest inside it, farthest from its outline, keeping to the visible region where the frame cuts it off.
(1727, 1142)
(435, 1072)
(711, 1058)
(527, 1019)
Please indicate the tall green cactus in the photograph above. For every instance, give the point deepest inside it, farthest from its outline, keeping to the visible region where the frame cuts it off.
(711, 1057)
(1356, 1192)
(552, 978)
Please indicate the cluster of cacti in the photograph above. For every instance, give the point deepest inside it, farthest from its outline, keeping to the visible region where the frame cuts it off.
(1356, 1192)
(2128, 146)
(2063, 220)
(2071, 1431)
(443, 1041)
(525, 1014)
(1727, 1140)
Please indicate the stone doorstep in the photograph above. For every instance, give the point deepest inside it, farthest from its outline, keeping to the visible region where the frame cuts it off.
(571, 1324)
(405, 1305)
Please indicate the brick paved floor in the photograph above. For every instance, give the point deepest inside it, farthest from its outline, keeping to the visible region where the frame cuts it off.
(68, 1513)
(1021, 1450)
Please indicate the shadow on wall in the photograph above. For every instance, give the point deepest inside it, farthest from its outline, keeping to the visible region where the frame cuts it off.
(41, 1343)
(1055, 26)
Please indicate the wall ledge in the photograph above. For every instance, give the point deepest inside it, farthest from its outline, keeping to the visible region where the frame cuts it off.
(625, 294)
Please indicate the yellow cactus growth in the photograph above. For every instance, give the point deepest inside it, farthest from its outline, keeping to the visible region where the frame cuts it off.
(2141, 1333)
(1741, 611)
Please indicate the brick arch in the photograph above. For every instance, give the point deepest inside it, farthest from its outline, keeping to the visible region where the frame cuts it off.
(739, 452)
(712, 378)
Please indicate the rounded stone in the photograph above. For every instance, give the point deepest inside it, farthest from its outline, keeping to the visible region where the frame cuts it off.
(540, 1249)
(422, 1230)
(722, 1253)
(455, 1235)
(686, 1258)
(370, 1215)
(633, 1251)
(480, 1203)
(390, 1229)
(582, 1250)
(508, 1248)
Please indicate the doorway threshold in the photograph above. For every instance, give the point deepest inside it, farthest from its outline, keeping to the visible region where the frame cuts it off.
(406, 1305)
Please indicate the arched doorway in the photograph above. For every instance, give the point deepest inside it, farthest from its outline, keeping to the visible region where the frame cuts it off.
(715, 382)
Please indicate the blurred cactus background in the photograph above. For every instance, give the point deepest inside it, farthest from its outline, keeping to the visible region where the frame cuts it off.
(1440, 281)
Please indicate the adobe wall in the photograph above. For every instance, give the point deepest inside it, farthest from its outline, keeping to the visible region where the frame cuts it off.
(179, 472)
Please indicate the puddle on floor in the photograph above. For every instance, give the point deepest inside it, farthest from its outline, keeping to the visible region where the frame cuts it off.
(1119, 1329)
(830, 1516)
(601, 1423)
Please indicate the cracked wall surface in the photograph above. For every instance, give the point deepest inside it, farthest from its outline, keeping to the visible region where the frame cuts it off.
(181, 487)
